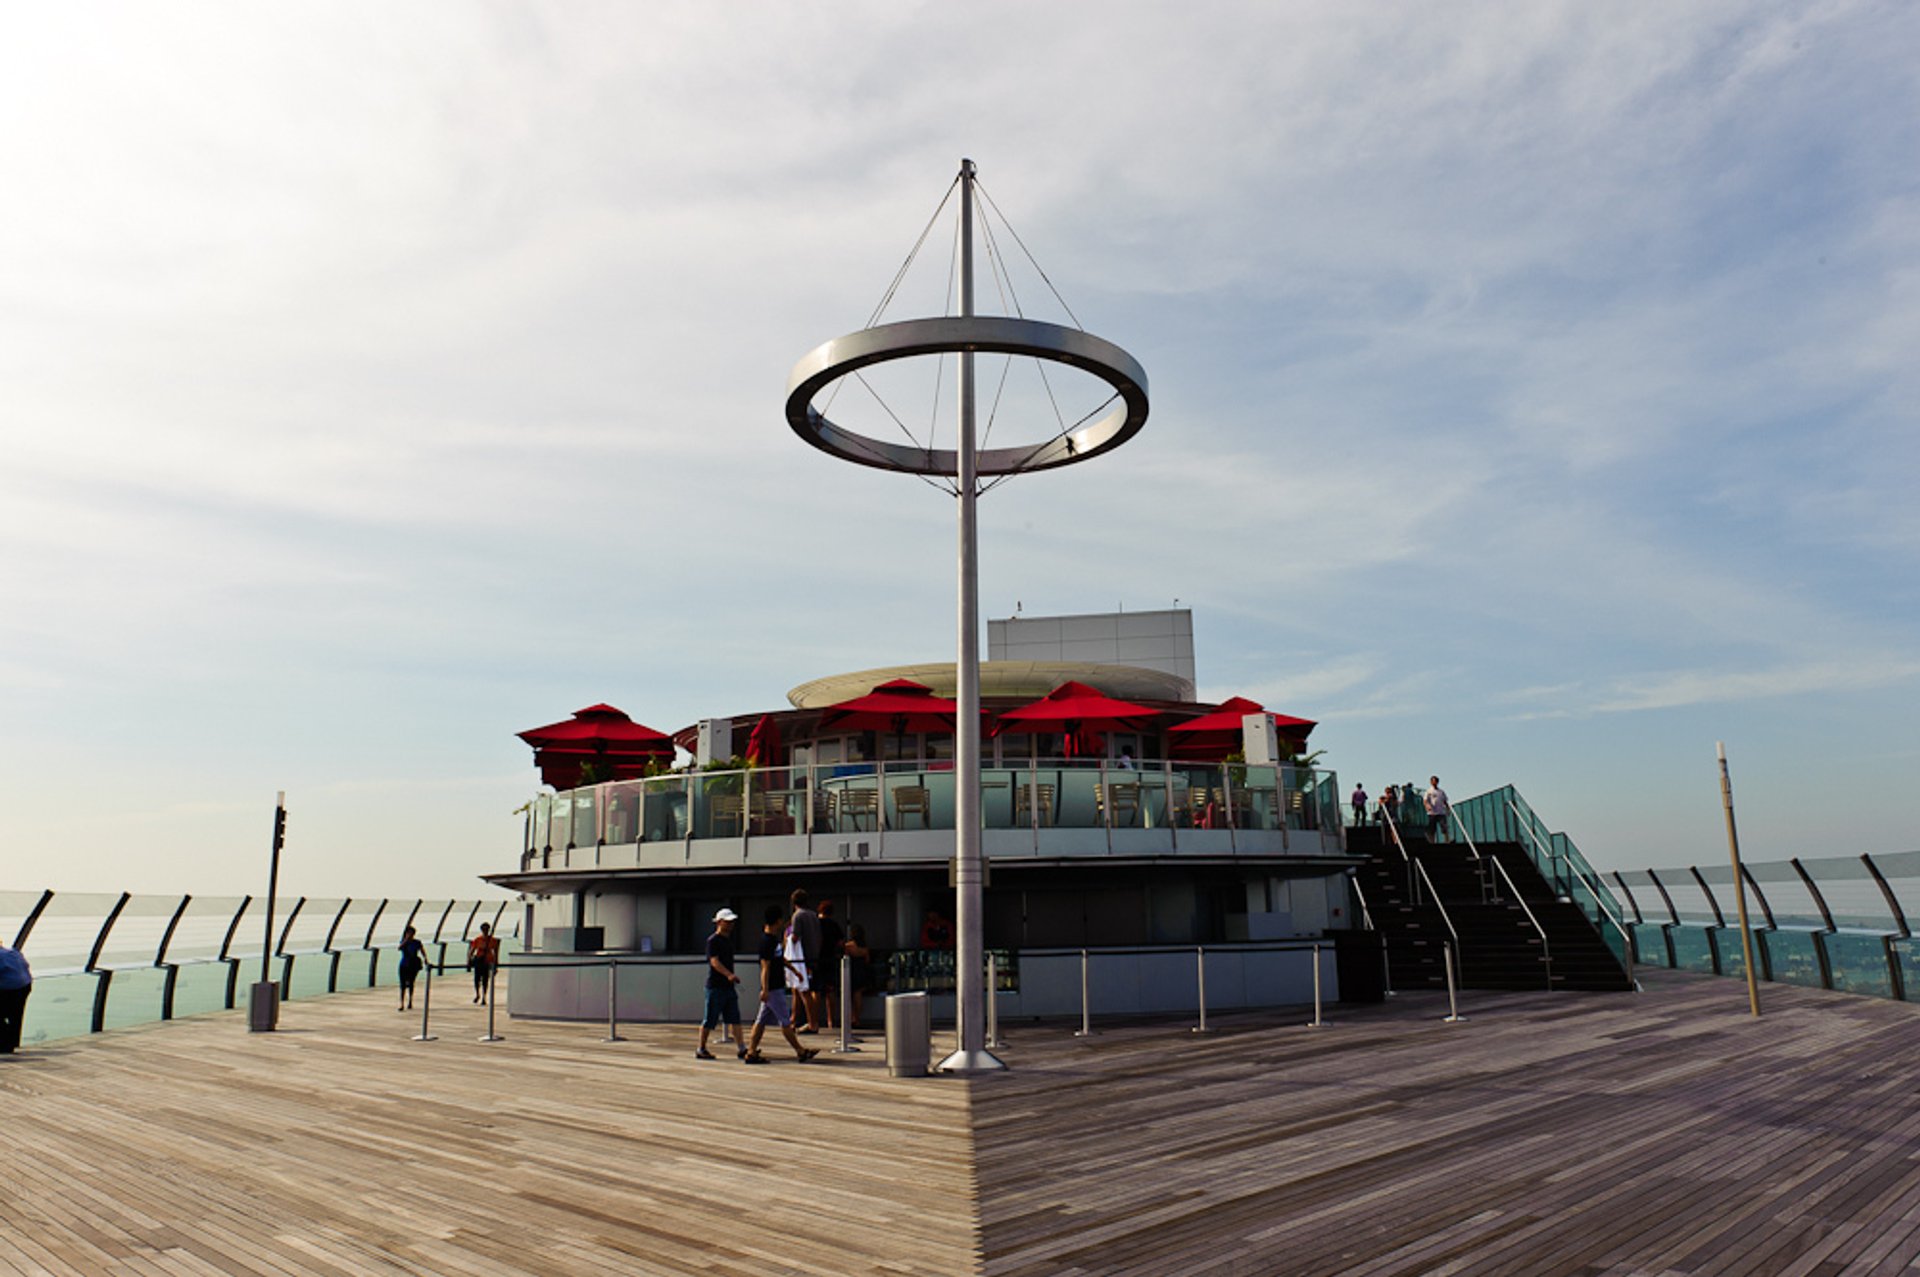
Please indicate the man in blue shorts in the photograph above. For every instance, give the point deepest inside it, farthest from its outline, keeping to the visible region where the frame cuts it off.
(723, 994)
(773, 992)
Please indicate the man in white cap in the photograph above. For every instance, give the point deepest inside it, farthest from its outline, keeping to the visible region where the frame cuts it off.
(723, 993)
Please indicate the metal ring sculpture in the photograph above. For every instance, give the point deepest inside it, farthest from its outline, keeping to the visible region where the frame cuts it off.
(996, 335)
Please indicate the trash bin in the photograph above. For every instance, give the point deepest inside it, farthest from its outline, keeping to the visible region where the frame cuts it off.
(909, 1035)
(263, 1007)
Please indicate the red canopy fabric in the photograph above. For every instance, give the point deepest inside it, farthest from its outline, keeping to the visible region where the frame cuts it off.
(763, 745)
(899, 706)
(597, 726)
(1220, 732)
(618, 747)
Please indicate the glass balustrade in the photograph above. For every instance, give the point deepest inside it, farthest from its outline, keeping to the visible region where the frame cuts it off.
(103, 961)
(868, 797)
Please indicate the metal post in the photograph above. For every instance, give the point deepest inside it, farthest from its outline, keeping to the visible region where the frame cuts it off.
(426, 1008)
(1200, 963)
(493, 980)
(972, 1055)
(1386, 966)
(1453, 1005)
(1086, 1005)
(1739, 880)
(613, 1021)
(993, 1002)
(846, 1046)
(263, 1011)
(1318, 1023)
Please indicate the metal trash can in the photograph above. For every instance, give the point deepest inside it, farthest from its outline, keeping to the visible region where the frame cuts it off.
(909, 1035)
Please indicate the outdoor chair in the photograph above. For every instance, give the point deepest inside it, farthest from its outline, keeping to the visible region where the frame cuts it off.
(1119, 804)
(856, 805)
(1023, 805)
(729, 810)
(912, 798)
(770, 814)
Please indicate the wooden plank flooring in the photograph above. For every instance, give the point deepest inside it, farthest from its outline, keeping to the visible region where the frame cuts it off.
(339, 1146)
(1576, 1134)
(1573, 1135)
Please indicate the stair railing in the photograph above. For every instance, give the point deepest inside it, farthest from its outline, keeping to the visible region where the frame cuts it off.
(1393, 827)
(1366, 914)
(1626, 937)
(1441, 907)
(1551, 869)
(1479, 861)
(1599, 901)
(1546, 953)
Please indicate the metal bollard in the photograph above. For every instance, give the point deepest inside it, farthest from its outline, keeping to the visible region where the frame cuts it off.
(1200, 959)
(1386, 966)
(1086, 1007)
(846, 1046)
(493, 981)
(1318, 1023)
(426, 1008)
(993, 1003)
(613, 1016)
(1453, 1007)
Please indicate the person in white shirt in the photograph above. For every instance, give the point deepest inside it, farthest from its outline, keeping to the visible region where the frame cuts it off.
(1438, 810)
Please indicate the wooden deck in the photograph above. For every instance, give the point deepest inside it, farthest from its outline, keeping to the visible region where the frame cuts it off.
(1665, 1133)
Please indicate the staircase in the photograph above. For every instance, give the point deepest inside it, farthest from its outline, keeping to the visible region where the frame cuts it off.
(1498, 946)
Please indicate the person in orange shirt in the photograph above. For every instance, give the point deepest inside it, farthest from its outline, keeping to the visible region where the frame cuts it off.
(483, 953)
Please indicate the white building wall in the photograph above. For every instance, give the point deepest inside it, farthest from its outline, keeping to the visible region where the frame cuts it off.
(1151, 640)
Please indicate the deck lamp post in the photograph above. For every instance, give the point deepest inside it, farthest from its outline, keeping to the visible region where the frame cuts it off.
(966, 335)
(263, 1002)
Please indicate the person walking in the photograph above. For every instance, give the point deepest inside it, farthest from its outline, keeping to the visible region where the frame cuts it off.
(483, 954)
(806, 930)
(1359, 804)
(16, 982)
(723, 986)
(413, 956)
(1437, 811)
(826, 969)
(774, 969)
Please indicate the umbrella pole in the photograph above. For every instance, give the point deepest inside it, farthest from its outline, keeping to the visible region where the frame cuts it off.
(972, 1055)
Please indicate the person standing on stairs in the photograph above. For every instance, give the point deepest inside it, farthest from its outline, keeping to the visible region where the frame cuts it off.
(1437, 811)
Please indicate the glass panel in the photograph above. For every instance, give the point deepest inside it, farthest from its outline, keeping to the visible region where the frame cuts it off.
(622, 817)
(354, 964)
(664, 814)
(542, 814)
(1732, 960)
(1859, 963)
(1257, 800)
(200, 987)
(997, 785)
(1076, 804)
(1785, 892)
(1792, 957)
(1650, 945)
(133, 996)
(60, 1006)
(584, 830)
(310, 972)
(1691, 949)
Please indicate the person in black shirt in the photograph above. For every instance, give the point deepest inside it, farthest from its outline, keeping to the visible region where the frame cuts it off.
(773, 992)
(826, 967)
(723, 995)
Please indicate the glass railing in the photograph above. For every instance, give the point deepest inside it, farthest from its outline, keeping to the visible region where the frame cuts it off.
(103, 961)
(1836, 922)
(1054, 793)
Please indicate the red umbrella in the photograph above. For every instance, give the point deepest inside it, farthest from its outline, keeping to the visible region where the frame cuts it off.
(1216, 734)
(899, 706)
(763, 745)
(1077, 711)
(597, 734)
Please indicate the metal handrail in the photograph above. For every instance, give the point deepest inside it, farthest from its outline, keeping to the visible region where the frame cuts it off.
(1544, 849)
(1438, 905)
(1462, 825)
(1626, 937)
(1366, 914)
(1393, 827)
(1546, 952)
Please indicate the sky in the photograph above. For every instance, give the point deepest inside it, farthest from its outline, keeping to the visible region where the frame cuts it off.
(1533, 398)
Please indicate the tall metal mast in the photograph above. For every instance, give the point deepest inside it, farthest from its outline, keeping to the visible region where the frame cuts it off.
(971, 1055)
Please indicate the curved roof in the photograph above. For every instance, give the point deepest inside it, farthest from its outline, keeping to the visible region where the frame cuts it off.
(999, 678)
